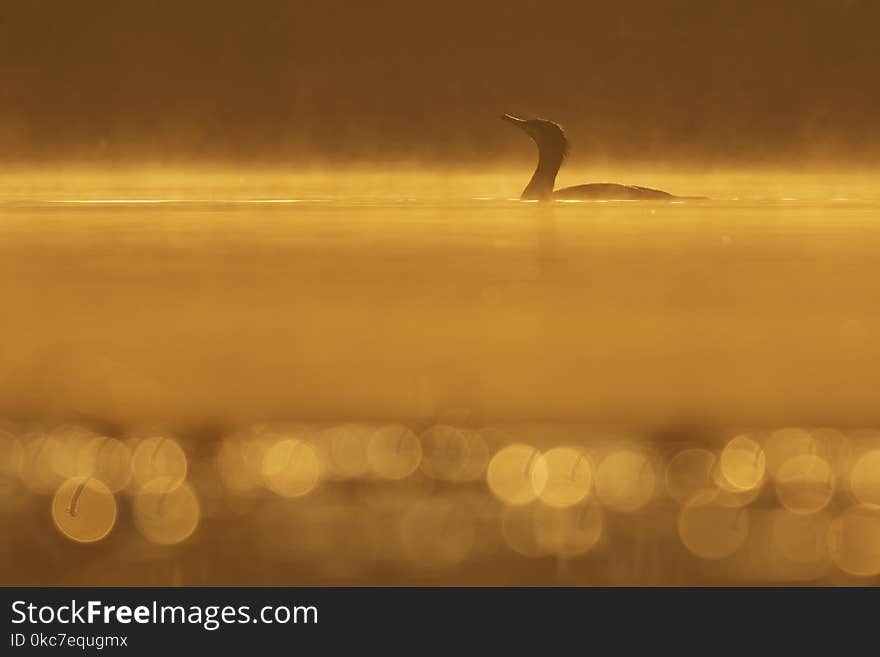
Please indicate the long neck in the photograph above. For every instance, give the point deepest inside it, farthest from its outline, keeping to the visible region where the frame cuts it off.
(540, 187)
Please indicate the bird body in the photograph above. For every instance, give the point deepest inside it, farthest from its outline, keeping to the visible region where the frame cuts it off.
(552, 150)
(599, 191)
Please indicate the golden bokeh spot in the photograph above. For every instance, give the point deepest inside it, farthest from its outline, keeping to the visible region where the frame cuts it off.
(166, 511)
(625, 481)
(729, 495)
(854, 540)
(107, 459)
(804, 483)
(444, 452)
(517, 474)
(394, 452)
(345, 450)
(801, 538)
(785, 444)
(568, 477)
(864, 478)
(743, 463)
(712, 531)
(569, 531)
(291, 468)
(437, 534)
(84, 509)
(158, 457)
(689, 473)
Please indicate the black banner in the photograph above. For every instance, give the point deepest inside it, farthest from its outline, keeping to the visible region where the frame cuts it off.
(149, 620)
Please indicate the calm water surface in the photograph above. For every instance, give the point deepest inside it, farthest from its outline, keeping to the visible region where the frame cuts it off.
(187, 309)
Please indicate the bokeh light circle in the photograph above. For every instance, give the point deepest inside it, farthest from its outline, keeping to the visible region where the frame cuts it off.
(166, 511)
(568, 477)
(517, 474)
(394, 452)
(158, 457)
(743, 463)
(625, 481)
(84, 509)
(291, 468)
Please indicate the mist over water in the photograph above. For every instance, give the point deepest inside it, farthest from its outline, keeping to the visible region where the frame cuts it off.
(192, 298)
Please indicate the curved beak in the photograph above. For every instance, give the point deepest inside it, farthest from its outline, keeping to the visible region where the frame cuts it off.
(512, 119)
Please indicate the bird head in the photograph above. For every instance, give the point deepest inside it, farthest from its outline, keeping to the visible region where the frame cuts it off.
(548, 135)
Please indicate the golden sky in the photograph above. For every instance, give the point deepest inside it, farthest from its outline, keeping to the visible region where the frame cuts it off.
(300, 82)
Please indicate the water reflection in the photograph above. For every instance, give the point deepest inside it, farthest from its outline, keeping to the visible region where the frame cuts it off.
(621, 506)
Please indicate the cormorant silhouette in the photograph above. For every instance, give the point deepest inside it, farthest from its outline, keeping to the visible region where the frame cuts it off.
(552, 149)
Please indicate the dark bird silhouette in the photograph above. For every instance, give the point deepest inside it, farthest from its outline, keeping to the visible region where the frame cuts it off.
(552, 150)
